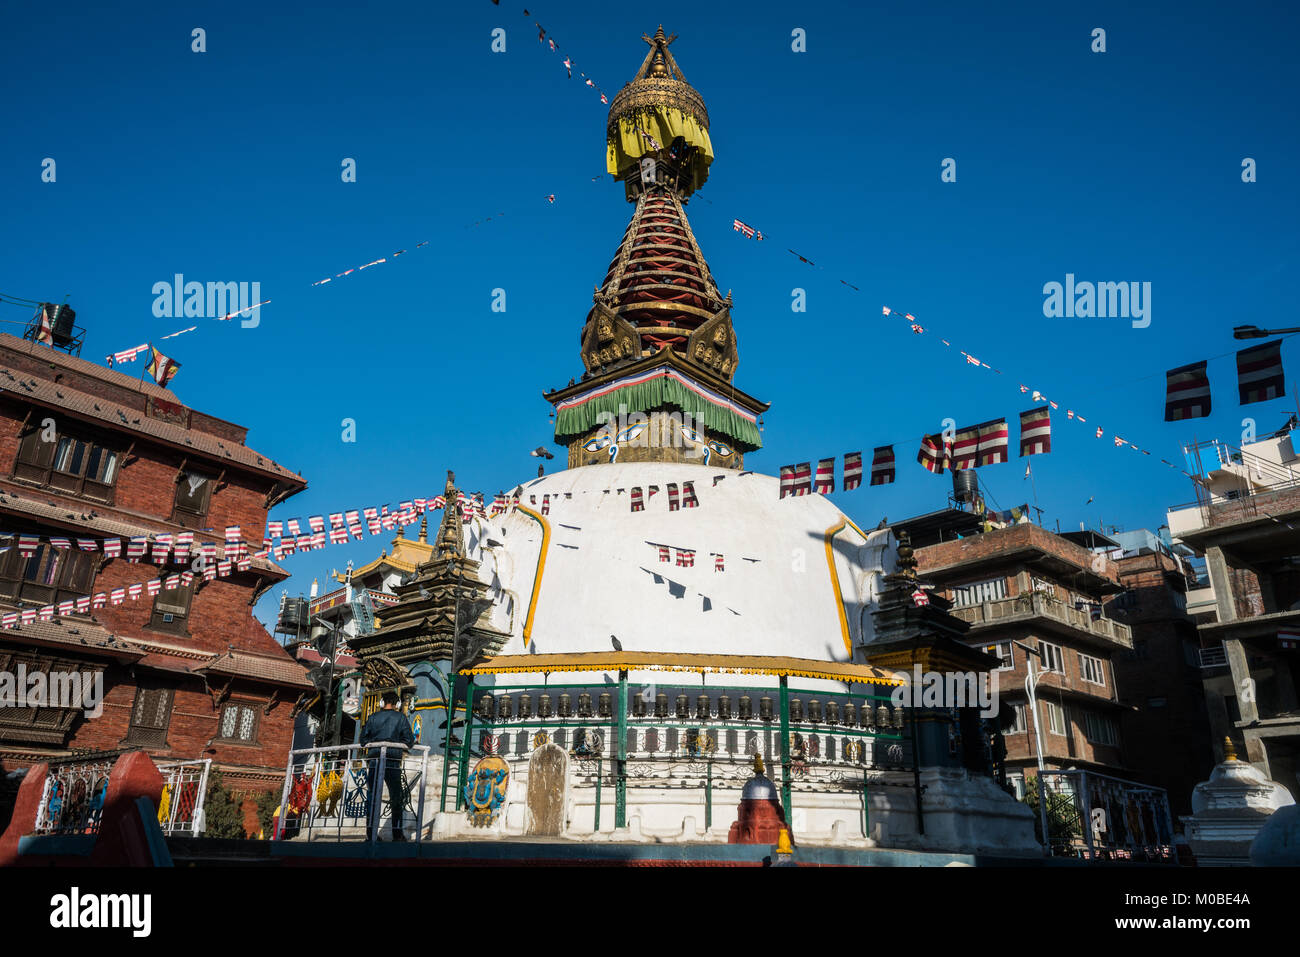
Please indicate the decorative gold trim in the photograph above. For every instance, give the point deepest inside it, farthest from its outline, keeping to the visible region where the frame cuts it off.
(835, 584)
(687, 662)
(541, 567)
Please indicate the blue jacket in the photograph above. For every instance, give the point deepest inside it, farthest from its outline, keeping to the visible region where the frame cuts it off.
(387, 724)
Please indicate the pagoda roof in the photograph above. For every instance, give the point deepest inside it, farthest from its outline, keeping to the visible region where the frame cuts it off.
(407, 555)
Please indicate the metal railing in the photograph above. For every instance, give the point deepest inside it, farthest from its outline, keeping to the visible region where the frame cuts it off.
(631, 738)
(1098, 817)
(332, 789)
(1035, 605)
(185, 787)
(73, 799)
(1214, 657)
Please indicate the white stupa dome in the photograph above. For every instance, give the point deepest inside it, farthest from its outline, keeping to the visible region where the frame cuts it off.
(799, 579)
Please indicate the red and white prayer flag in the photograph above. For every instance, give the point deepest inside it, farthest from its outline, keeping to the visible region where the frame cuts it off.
(88, 544)
(47, 613)
(153, 586)
(825, 483)
(1119, 441)
(882, 465)
(28, 543)
(920, 598)
(223, 567)
(60, 542)
(338, 536)
(9, 620)
(965, 447)
(316, 522)
(935, 454)
(162, 547)
(852, 470)
(994, 441)
(787, 480)
(112, 547)
(275, 529)
(1259, 373)
(29, 615)
(802, 479)
(293, 527)
(83, 604)
(673, 502)
(663, 554)
(688, 496)
(1099, 432)
(1036, 431)
(135, 550)
(638, 499)
(183, 542)
(686, 557)
(718, 564)
(336, 518)
(353, 516)
(133, 590)
(65, 608)
(1187, 392)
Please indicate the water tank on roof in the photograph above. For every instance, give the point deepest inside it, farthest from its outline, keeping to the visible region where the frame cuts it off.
(965, 486)
(293, 615)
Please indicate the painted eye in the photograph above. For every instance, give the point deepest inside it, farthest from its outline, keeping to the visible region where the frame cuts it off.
(599, 442)
(692, 435)
(720, 448)
(630, 433)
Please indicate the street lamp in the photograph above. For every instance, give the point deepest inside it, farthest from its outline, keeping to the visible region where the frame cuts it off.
(1031, 688)
(1254, 332)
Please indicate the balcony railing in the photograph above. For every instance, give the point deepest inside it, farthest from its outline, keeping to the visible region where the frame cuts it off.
(1025, 607)
(1214, 657)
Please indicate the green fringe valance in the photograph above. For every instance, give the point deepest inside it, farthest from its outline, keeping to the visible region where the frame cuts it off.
(656, 394)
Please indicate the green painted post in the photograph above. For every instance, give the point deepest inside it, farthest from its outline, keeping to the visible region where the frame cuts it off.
(620, 780)
(708, 796)
(600, 773)
(449, 701)
(463, 771)
(785, 751)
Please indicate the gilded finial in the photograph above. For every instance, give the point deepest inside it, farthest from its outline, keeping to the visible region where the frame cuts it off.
(758, 765)
(783, 845)
(424, 530)
(1229, 749)
(401, 531)
(906, 556)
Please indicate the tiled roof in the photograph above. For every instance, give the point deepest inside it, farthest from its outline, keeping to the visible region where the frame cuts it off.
(74, 631)
(79, 515)
(90, 369)
(59, 395)
(282, 670)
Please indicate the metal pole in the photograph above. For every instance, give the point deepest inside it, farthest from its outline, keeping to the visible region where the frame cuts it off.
(1031, 687)
(600, 773)
(284, 797)
(424, 782)
(463, 770)
(376, 793)
(1087, 815)
(785, 750)
(449, 703)
(620, 781)
(916, 768)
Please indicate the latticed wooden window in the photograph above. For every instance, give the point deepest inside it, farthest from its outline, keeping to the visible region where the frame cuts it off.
(238, 723)
(150, 717)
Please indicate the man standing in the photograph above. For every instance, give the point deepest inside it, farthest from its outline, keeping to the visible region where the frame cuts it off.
(387, 726)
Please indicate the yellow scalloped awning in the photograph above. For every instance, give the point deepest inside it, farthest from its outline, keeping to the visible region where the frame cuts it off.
(699, 663)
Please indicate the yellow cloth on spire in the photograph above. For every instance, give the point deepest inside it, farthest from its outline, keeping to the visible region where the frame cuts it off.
(664, 124)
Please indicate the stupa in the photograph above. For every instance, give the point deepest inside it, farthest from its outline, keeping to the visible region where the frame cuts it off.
(630, 631)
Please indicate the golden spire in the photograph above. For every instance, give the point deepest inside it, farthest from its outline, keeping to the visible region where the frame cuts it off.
(424, 530)
(1229, 749)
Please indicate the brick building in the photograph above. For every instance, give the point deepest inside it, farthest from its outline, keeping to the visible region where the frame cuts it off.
(89, 453)
(1246, 524)
(1023, 583)
(1167, 732)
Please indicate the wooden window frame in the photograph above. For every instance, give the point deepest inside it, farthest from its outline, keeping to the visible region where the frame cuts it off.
(177, 626)
(15, 567)
(150, 735)
(239, 703)
(33, 467)
(185, 515)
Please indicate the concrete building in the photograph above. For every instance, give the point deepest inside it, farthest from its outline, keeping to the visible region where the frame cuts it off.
(1246, 523)
(1022, 583)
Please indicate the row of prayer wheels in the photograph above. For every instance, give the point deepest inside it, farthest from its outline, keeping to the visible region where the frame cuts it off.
(502, 708)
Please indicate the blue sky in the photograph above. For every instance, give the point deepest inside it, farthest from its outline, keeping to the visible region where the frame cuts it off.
(225, 166)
